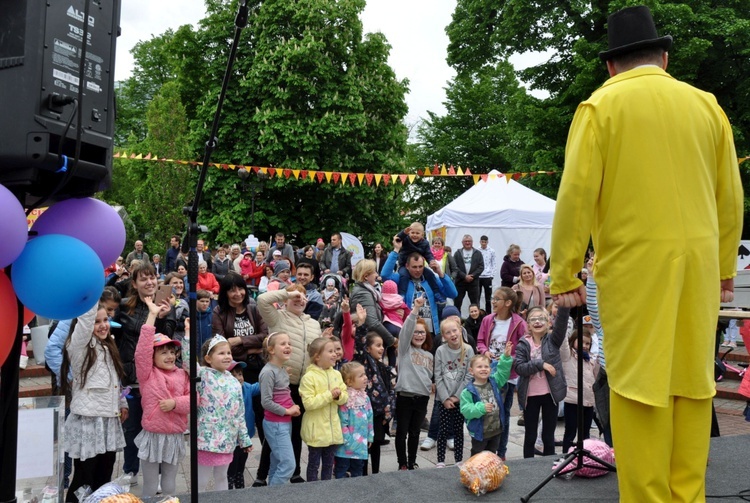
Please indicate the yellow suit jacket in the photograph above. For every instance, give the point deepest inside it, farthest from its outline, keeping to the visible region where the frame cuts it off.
(651, 174)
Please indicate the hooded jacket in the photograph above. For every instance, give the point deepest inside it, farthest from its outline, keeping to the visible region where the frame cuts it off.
(472, 407)
(551, 343)
(515, 332)
(302, 330)
(321, 426)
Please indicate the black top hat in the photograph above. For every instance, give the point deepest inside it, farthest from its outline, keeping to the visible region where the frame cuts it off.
(631, 29)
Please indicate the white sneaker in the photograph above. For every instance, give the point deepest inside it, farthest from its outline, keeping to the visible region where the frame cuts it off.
(427, 444)
(451, 444)
(440, 465)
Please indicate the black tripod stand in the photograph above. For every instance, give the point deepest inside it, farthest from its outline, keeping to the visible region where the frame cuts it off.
(579, 455)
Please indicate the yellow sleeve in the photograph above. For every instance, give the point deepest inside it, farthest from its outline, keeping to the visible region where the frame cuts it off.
(729, 203)
(576, 201)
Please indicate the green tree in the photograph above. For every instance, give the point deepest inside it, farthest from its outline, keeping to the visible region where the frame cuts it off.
(712, 43)
(308, 91)
(154, 193)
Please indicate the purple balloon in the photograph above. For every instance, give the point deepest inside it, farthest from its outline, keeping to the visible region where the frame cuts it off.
(92, 221)
(13, 227)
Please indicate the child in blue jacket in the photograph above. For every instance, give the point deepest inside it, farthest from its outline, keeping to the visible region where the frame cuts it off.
(482, 403)
(236, 470)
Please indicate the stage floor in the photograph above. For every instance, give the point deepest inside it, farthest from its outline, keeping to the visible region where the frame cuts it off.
(727, 475)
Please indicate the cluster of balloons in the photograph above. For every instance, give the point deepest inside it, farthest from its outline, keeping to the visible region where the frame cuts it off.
(57, 270)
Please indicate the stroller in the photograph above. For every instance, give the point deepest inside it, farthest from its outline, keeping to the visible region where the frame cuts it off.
(332, 290)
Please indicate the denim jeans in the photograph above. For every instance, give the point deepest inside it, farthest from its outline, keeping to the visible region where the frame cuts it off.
(279, 438)
(507, 404)
(355, 467)
(131, 428)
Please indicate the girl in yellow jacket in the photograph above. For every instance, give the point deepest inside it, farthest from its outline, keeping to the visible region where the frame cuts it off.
(322, 390)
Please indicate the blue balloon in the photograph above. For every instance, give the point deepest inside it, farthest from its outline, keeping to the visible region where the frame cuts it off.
(57, 276)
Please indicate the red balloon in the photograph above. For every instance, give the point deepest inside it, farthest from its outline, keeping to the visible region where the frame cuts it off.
(8, 316)
(27, 315)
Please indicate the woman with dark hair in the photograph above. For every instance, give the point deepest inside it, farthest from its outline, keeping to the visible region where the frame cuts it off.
(379, 255)
(132, 315)
(236, 317)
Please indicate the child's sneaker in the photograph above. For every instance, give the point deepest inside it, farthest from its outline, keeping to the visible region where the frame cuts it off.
(440, 465)
(732, 344)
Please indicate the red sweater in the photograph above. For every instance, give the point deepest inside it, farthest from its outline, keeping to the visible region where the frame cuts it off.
(207, 281)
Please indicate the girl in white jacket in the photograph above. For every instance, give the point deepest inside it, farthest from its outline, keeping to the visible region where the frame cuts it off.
(570, 370)
(93, 430)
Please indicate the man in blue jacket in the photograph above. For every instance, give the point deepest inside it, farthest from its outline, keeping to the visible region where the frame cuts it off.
(419, 285)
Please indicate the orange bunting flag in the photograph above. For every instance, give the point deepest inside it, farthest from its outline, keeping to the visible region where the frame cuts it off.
(436, 170)
(468, 173)
(303, 173)
(516, 176)
(403, 179)
(386, 178)
(287, 173)
(369, 178)
(483, 177)
(353, 178)
(319, 175)
(271, 172)
(451, 171)
(117, 154)
(148, 157)
(336, 176)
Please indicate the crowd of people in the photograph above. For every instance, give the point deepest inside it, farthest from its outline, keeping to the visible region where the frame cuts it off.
(299, 347)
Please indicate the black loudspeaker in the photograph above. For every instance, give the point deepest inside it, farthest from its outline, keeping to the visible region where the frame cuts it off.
(40, 56)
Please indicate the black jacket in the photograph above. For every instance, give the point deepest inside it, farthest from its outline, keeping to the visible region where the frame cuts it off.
(475, 269)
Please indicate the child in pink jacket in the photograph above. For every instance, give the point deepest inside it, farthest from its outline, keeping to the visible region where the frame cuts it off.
(165, 392)
(395, 310)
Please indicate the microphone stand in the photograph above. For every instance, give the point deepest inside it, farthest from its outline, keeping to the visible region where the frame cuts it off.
(191, 242)
(579, 454)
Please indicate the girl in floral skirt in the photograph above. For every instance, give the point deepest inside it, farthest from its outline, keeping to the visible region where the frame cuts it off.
(93, 430)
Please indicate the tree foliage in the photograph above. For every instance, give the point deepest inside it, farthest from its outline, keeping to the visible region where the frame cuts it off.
(308, 91)
(711, 47)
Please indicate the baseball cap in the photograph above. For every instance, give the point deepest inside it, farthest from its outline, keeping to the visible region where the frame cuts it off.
(234, 364)
(161, 340)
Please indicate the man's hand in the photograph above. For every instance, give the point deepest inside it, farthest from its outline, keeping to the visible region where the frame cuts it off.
(572, 298)
(396, 244)
(727, 290)
(469, 278)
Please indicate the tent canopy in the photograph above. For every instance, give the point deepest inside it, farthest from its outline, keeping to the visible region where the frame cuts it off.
(503, 210)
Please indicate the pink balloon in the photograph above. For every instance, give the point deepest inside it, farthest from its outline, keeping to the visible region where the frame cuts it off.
(13, 227)
(92, 221)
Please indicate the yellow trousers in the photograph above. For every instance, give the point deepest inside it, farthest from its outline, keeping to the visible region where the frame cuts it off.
(661, 452)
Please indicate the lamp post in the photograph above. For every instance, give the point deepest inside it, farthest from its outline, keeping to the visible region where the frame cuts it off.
(255, 184)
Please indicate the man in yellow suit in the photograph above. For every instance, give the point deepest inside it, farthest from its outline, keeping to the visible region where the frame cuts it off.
(651, 174)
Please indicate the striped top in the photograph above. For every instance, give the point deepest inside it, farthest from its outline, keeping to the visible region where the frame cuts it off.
(593, 306)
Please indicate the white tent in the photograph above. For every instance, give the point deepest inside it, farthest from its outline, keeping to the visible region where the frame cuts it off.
(503, 210)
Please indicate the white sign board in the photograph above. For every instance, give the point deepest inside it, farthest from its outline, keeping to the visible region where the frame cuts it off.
(36, 443)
